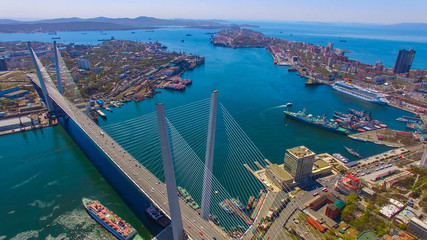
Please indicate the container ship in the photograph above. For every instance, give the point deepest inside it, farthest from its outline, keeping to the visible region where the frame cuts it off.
(362, 93)
(188, 199)
(110, 221)
(319, 122)
(156, 216)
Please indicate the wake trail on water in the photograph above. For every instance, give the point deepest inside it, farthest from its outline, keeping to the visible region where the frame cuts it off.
(269, 109)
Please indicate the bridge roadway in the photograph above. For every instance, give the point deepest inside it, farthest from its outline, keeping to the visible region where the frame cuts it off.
(143, 179)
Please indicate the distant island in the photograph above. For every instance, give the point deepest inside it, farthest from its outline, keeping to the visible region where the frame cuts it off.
(103, 23)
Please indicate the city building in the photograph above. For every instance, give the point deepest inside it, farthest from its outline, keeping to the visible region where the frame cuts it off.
(321, 169)
(423, 162)
(418, 228)
(279, 177)
(348, 184)
(404, 61)
(299, 163)
(407, 214)
(8, 90)
(333, 210)
(83, 64)
(389, 210)
(3, 65)
(15, 123)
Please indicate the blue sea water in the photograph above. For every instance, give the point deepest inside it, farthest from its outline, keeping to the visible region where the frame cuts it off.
(45, 183)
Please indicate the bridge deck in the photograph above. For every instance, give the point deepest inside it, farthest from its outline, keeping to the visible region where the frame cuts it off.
(143, 179)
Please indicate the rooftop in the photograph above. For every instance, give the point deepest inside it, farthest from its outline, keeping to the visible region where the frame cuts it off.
(367, 235)
(301, 152)
(280, 172)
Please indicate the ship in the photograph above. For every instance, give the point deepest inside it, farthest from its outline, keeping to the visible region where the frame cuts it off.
(237, 203)
(415, 126)
(322, 123)
(226, 207)
(340, 157)
(352, 152)
(100, 113)
(214, 219)
(292, 70)
(110, 221)
(55, 37)
(250, 202)
(362, 93)
(289, 104)
(188, 199)
(155, 215)
(312, 82)
(91, 113)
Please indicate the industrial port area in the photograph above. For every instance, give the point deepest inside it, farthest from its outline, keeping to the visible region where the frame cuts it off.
(307, 195)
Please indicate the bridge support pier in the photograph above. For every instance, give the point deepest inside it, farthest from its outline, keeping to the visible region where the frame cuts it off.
(58, 70)
(207, 176)
(175, 211)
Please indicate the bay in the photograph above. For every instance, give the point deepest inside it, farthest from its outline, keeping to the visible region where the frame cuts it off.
(45, 175)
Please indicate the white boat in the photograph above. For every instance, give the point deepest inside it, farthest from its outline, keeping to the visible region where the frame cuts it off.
(101, 113)
(340, 157)
(289, 104)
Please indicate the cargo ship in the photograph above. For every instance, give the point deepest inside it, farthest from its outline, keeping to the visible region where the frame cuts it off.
(362, 93)
(319, 122)
(188, 199)
(110, 221)
(417, 127)
(156, 216)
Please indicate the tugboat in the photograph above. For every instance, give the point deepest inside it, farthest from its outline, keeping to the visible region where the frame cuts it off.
(156, 216)
(110, 221)
(289, 104)
(92, 113)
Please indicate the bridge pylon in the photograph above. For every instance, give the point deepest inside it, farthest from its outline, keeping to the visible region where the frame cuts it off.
(175, 211)
(58, 69)
(207, 176)
(41, 79)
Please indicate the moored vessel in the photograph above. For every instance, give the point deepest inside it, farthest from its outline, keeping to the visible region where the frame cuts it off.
(237, 203)
(188, 199)
(110, 221)
(362, 93)
(352, 152)
(340, 157)
(322, 123)
(226, 207)
(250, 202)
(156, 216)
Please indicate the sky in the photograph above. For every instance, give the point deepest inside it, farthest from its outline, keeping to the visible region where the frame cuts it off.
(354, 11)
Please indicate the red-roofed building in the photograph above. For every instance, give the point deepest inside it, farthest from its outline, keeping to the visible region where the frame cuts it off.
(348, 184)
(314, 223)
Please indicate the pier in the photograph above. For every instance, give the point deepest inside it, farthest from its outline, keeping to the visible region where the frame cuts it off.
(239, 212)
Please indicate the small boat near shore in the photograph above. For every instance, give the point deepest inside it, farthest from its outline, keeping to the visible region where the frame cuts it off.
(340, 157)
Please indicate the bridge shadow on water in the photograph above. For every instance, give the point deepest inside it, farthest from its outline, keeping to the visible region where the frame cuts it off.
(135, 199)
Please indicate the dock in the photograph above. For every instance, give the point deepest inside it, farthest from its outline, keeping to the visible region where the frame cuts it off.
(258, 165)
(239, 212)
(268, 162)
(248, 168)
(258, 206)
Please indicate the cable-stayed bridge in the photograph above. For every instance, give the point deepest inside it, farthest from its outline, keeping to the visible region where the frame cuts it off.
(177, 144)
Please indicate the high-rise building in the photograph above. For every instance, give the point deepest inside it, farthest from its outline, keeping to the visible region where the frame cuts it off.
(3, 65)
(299, 163)
(404, 61)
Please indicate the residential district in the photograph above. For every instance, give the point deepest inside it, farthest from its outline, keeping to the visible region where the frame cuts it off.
(378, 197)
